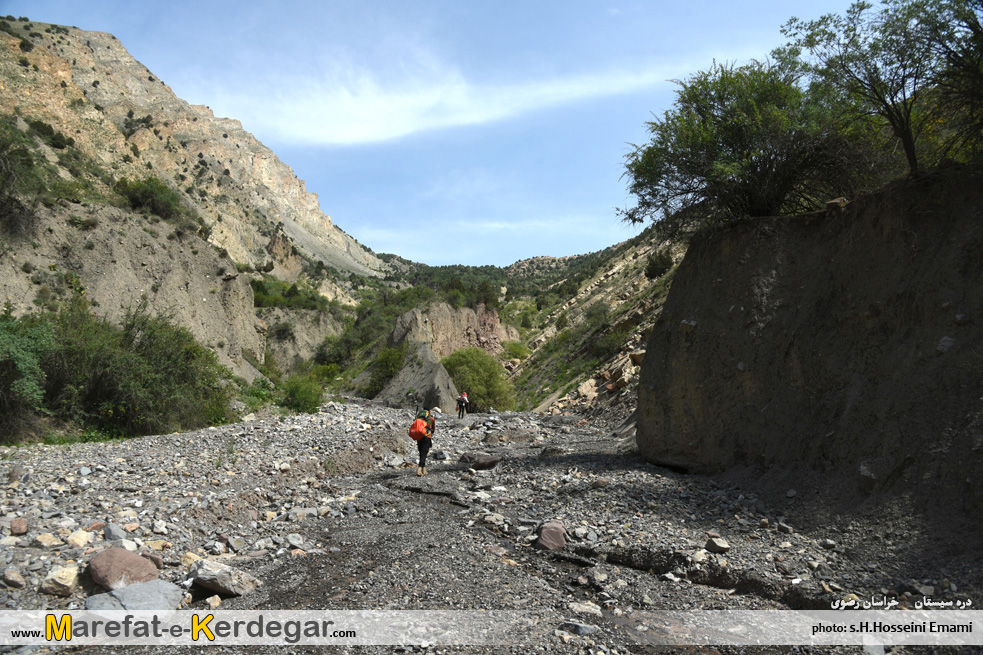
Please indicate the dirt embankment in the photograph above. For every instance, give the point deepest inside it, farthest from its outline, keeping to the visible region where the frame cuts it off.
(839, 351)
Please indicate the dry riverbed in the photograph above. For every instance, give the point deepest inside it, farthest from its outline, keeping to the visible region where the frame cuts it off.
(325, 511)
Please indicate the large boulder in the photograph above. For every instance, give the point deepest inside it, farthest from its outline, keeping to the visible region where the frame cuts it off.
(153, 595)
(422, 382)
(114, 568)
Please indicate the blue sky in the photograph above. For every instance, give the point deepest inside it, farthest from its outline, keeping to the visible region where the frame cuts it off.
(447, 132)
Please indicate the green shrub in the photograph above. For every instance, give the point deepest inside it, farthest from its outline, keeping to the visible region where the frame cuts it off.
(282, 331)
(256, 394)
(387, 364)
(23, 343)
(658, 264)
(83, 223)
(482, 377)
(302, 393)
(598, 315)
(516, 350)
(273, 292)
(50, 136)
(154, 196)
(146, 376)
(609, 344)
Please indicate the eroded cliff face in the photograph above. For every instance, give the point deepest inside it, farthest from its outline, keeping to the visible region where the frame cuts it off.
(120, 258)
(453, 329)
(841, 350)
(432, 335)
(124, 122)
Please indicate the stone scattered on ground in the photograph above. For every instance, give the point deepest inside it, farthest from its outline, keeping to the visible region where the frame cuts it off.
(325, 511)
(114, 568)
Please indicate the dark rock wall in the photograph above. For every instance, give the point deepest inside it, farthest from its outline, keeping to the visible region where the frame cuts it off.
(843, 348)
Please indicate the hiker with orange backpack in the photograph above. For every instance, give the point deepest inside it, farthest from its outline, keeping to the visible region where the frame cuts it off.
(422, 433)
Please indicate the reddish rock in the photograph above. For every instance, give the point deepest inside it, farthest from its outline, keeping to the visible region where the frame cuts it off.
(18, 526)
(117, 567)
(552, 536)
(155, 558)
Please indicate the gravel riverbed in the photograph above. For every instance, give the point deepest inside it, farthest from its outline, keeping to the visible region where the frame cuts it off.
(325, 511)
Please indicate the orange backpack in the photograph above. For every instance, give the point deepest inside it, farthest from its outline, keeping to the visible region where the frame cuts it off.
(418, 430)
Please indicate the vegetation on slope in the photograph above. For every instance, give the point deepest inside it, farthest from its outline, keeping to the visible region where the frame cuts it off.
(482, 375)
(144, 376)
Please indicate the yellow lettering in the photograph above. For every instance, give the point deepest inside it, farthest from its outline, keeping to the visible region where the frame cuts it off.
(55, 630)
(201, 626)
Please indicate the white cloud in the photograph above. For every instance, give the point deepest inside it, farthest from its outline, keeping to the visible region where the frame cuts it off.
(346, 102)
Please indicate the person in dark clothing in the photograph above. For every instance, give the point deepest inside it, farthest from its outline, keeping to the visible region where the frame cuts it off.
(424, 443)
(462, 405)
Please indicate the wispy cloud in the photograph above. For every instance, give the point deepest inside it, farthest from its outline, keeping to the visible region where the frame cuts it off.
(345, 102)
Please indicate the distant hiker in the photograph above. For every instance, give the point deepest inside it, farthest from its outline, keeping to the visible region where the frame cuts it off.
(462, 404)
(422, 433)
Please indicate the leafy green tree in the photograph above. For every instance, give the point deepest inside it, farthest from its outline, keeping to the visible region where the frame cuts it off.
(387, 364)
(482, 377)
(956, 29)
(19, 180)
(487, 294)
(741, 141)
(883, 58)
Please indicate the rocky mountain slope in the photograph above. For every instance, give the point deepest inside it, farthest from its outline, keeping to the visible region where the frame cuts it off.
(841, 347)
(89, 115)
(587, 351)
(88, 86)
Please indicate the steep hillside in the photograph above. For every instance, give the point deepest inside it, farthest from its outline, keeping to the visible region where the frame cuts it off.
(585, 348)
(83, 126)
(836, 352)
(89, 87)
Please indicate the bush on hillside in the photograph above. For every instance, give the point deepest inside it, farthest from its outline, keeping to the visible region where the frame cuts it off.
(658, 264)
(18, 177)
(516, 350)
(482, 377)
(387, 364)
(23, 343)
(154, 196)
(273, 292)
(302, 393)
(147, 376)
